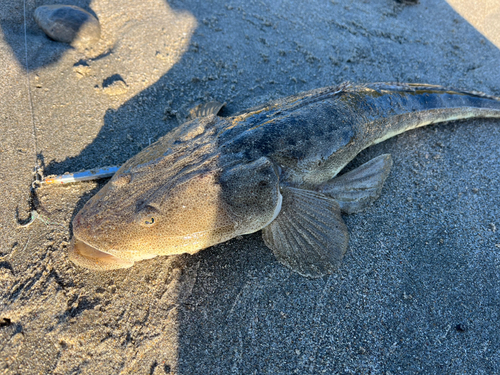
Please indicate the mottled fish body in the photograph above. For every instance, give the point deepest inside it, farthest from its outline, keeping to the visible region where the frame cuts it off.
(271, 168)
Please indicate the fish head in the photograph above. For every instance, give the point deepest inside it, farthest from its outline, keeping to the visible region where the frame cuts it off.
(183, 208)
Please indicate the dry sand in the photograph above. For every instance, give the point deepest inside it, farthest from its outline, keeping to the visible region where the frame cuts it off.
(423, 260)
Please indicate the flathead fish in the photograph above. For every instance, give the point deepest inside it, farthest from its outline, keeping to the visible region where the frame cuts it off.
(272, 168)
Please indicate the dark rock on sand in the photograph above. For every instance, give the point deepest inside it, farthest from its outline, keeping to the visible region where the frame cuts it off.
(68, 24)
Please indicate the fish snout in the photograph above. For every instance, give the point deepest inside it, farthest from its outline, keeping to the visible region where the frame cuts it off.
(84, 255)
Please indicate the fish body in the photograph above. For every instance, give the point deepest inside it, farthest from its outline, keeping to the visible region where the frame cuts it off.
(272, 168)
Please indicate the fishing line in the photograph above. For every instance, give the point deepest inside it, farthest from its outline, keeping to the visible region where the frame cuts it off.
(37, 175)
(38, 178)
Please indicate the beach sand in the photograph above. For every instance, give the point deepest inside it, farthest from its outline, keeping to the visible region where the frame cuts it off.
(418, 291)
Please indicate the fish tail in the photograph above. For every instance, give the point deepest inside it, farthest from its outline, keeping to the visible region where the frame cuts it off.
(414, 105)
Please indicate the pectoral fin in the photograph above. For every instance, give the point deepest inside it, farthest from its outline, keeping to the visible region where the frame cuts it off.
(357, 189)
(309, 235)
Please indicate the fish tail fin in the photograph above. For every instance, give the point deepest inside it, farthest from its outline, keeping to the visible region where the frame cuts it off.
(415, 105)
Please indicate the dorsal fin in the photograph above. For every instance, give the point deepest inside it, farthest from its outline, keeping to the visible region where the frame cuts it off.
(205, 109)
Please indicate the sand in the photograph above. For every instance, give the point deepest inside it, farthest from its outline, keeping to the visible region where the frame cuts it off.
(419, 289)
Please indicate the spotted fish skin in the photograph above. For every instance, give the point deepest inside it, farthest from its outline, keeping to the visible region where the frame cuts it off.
(316, 133)
(272, 167)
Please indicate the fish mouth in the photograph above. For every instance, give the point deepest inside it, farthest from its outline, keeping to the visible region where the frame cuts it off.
(84, 255)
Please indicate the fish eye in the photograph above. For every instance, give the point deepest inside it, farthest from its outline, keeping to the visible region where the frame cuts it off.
(149, 221)
(148, 217)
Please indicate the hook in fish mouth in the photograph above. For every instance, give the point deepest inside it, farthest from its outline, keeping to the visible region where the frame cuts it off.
(84, 255)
